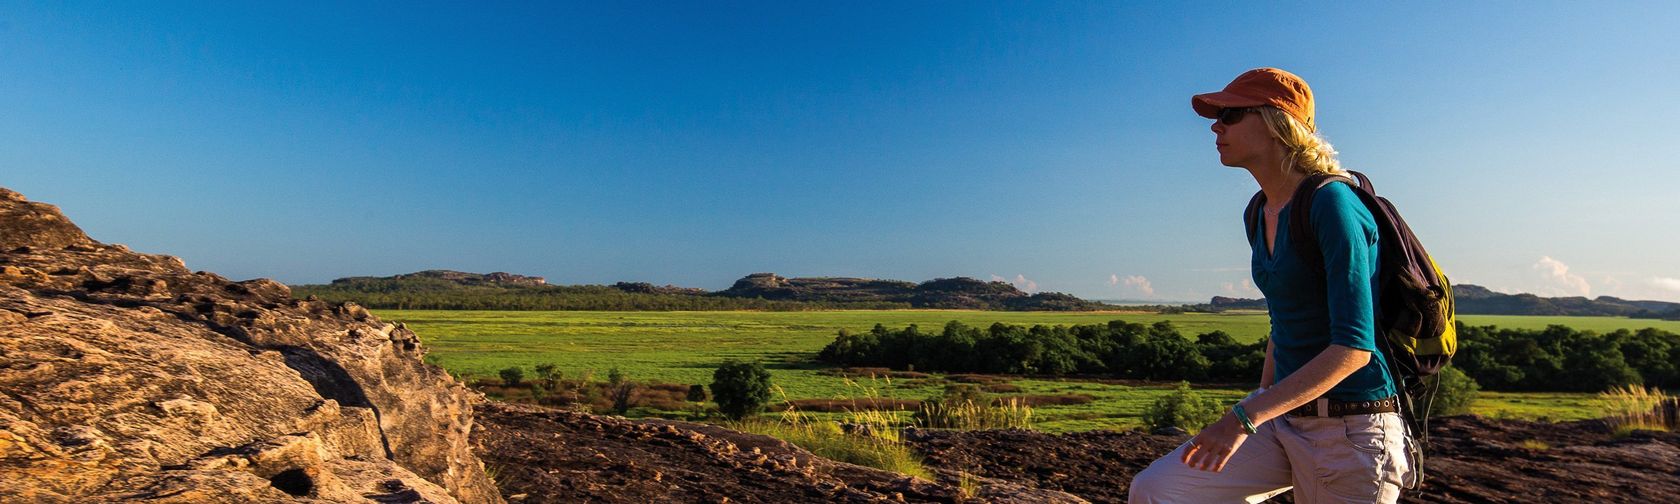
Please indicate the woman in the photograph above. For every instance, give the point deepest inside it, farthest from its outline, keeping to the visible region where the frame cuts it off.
(1323, 420)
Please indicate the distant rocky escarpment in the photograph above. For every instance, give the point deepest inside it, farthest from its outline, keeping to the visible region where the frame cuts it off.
(444, 278)
(944, 293)
(1228, 303)
(438, 289)
(1475, 299)
(127, 377)
(1472, 299)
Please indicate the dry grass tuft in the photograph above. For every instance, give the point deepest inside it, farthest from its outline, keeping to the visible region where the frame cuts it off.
(1632, 408)
(1004, 413)
(845, 405)
(1046, 400)
(871, 438)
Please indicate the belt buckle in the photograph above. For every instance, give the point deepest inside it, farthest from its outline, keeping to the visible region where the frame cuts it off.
(1323, 407)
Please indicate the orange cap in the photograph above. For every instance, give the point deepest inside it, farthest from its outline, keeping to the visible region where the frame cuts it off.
(1261, 86)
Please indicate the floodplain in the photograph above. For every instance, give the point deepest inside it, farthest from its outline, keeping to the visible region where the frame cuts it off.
(684, 347)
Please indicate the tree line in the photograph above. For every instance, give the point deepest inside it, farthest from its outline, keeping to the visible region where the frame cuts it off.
(1560, 358)
(1118, 348)
(1557, 358)
(582, 297)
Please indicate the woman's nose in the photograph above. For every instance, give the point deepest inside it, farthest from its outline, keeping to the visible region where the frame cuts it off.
(1218, 127)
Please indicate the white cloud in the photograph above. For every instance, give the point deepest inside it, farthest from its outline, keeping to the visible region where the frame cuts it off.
(1113, 280)
(1229, 269)
(1021, 282)
(1141, 284)
(1245, 288)
(1558, 279)
(1665, 283)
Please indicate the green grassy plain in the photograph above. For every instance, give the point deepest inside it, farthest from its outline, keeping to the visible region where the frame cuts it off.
(684, 347)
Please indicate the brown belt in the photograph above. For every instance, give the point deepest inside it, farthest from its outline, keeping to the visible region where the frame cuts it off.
(1323, 407)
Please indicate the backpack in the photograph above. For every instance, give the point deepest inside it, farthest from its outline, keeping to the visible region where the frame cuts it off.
(1416, 327)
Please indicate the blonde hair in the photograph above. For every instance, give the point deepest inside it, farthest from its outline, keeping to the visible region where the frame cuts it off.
(1304, 149)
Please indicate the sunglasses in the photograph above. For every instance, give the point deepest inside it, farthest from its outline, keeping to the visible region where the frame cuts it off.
(1229, 116)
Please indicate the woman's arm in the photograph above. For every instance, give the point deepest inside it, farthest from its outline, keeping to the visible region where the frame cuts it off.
(1318, 376)
(1214, 445)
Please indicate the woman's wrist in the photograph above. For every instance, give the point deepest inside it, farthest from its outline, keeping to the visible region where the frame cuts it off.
(1243, 418)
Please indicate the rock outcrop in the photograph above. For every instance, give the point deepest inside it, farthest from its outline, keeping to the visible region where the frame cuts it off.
(126, 377)
(961, 293)
(547, 455)
(460, 278)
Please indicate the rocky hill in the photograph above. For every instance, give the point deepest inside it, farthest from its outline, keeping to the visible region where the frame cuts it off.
(445, 278)
(440, 289)
(943, 293)
(1477, 300)
(128, 377)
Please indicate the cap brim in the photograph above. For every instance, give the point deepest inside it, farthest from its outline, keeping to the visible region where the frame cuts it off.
(1208, 105)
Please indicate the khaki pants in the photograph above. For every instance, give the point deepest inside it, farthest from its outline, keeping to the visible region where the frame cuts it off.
(1355, 458)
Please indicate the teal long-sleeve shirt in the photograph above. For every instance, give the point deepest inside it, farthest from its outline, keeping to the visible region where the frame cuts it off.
(1310, 312)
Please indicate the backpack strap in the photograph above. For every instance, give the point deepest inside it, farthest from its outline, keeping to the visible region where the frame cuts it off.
(1251, 215)
(1301, 233)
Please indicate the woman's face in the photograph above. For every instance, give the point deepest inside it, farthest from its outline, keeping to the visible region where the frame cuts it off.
(1244, 142)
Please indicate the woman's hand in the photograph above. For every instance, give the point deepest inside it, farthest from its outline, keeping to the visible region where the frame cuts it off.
(1211, 448)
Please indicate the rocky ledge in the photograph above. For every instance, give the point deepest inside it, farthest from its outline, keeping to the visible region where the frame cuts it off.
(127, 377)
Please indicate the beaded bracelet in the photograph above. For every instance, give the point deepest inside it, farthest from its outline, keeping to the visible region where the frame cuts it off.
(1247, 425)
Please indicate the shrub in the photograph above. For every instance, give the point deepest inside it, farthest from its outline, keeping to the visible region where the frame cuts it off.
(512, 376)
(548, 374)
(963, 392)
(1184, 408)
(1454, 393)
(740, 388)
(623, 396)
(696, 393)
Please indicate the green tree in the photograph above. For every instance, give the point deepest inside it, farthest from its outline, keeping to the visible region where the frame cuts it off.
(512, 376)
(1184, 408)
(1454, 394)
(696, 393)
(740, 388)
(623, 396)
(549, 375)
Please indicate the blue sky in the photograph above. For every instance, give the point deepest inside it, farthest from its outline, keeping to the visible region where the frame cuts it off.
(1530, 144)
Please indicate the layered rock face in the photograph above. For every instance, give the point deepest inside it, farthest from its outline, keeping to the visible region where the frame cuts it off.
(125, 376)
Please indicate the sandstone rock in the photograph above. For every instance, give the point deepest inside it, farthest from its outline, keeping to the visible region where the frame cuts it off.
(35, 225)
(124, 376)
